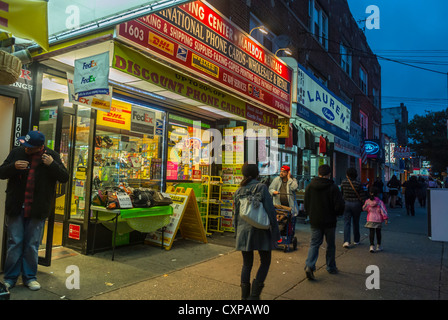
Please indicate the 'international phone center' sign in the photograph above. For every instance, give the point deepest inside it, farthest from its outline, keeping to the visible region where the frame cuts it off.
(200, 40)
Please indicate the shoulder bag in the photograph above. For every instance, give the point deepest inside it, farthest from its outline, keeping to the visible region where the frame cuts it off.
(357, 194)
(253, 212)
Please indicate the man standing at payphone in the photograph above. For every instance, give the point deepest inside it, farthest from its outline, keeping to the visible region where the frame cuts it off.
(32, 171)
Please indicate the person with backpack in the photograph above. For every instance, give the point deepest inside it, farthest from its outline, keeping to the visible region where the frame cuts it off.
(250, 238)
(376, 214)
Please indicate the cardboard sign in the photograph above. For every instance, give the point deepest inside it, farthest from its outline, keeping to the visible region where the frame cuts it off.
(186, 217)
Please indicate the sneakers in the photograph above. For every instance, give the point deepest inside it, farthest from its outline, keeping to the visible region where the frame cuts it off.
(309, 273)
(33, 285)
(372, 249)
(346, 245)
(379, 247)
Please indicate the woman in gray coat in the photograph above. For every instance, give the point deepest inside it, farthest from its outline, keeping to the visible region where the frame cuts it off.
(249, 238)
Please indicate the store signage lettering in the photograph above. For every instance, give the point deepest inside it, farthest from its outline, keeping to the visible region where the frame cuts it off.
(133, 63)
(143, 121)
(402, 152)
(312, 95)
(98, 101)
(21, 83)
(91, 75)
(199, 40)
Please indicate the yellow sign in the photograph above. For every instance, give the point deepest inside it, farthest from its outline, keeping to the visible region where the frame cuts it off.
(26, 19)
(118, 117)
(186, 217)
(283, 128)
(134, 63)
(205, 65)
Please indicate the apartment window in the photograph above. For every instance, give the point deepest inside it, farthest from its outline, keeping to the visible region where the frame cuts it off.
(376, 131)
(346, 59)
(376, 97)
(364, 123)
(264, 39)
(363, 80)
(318, 23)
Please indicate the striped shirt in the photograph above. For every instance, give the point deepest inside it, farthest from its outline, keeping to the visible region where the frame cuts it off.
(349, 194)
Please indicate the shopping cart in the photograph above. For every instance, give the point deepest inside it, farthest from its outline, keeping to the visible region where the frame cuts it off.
(287, 225)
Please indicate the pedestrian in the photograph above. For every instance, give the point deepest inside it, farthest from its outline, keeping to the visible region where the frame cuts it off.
(283, 190)
(412, 188)
(421, 194)
(249, 238)
(394, 186)
(376, 214)
(432, 183)
(323, 203)
(354, 196)
(380, 186)
(32, 170)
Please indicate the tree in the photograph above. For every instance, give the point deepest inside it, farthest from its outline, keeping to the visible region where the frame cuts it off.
(429, 138)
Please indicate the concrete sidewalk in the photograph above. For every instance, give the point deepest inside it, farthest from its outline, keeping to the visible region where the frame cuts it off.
(411, 267)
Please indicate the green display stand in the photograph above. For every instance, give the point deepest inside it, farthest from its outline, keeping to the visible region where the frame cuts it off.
(122, 221)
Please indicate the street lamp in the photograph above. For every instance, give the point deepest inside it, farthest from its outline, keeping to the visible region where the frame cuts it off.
(261, 28)
(287, 51)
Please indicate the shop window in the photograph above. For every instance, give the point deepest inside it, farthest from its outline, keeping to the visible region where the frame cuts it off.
(188, 149)
(128, 154)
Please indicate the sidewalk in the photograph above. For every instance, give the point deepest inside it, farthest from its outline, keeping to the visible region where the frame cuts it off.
(411, 267)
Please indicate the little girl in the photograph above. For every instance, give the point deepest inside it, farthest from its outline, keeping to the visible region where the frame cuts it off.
(376, 214)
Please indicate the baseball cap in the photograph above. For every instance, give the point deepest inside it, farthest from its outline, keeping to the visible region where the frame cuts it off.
(32, 139)
(285, 168)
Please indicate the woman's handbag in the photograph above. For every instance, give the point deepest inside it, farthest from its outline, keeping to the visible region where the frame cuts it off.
(252, 211)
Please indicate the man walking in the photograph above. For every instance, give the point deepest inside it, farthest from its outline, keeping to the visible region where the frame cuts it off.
(32, 171)
(283, 190)
(323, 203)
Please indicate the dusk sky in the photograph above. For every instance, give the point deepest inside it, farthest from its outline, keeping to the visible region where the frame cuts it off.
(416, 33)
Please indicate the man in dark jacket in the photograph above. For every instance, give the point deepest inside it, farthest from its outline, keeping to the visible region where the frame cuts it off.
(32, 171)
(323, 203)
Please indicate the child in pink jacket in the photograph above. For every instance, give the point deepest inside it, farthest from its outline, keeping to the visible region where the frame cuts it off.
(376, 214)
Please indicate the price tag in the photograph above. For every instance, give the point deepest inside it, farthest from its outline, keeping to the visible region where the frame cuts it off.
(124, 200)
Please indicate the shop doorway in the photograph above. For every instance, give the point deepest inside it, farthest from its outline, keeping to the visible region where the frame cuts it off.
(56, 123)
(7, 107)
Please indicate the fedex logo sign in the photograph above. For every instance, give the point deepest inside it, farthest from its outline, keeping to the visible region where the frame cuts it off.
(89, 65)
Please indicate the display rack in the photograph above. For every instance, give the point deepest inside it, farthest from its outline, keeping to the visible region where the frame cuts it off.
(211, 203)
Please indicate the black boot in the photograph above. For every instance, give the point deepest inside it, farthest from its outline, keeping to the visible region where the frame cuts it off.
(245, 290)
(257, 287)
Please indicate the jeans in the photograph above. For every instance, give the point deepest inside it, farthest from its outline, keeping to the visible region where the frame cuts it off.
(352, 211)
(317, 238)
(248, 261)
(24, 236)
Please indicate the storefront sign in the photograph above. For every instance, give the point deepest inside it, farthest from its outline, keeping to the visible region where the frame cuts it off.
(143, 121)
(283, 128)
(24, 81)
(392, 158)
(98, 101)
(74, 231)
(133, 63)
(314, 96)
(372, 148)
(402, 152)
(118, 117)
(91, 75)
(197, 38)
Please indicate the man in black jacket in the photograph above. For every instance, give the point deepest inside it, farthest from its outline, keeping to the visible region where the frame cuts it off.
(32, 171)
(323, 203)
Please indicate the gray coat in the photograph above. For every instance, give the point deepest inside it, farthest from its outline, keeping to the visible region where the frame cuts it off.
(249, 238)
(291, 188)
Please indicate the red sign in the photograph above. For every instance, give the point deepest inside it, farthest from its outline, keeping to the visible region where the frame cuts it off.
(74, 231)
(200, 40)
(197, 174)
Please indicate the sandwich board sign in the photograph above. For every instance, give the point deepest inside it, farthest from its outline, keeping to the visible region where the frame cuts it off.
(186, 218)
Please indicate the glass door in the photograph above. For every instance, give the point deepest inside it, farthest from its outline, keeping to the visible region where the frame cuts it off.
(57, 126)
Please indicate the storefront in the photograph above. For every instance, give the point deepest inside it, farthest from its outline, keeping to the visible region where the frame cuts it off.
(322, 125)
(180, 102)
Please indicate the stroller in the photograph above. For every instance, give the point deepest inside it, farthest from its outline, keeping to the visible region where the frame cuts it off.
(287, 225)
